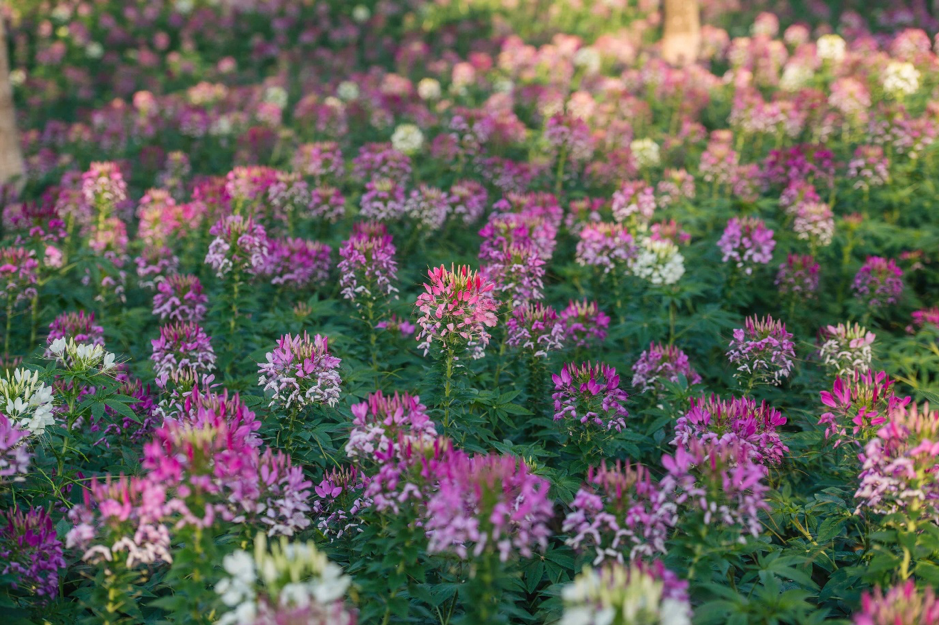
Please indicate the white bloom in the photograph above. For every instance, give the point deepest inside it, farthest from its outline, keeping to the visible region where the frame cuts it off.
(184, 6)
(17, 77)
(646, 152)
(503, 85)
(94, 50)
(221, 127)
(26, 400)
(795, 76)
(407, 138)
(277, 96)
(348, 91)
(429, 89)
(58, 346)
(830, 48)
(361, 13)
(900, 79)
(658, 262)
(589, 59)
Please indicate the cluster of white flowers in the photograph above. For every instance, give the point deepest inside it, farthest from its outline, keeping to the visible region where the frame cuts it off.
(795, 76)
(407, 138)
(589, 59)
(646, 152)
(621, 595)
(900, 79)
(658, 261)
(277, 96)
(290, 576)
(27, 401)
(429, 89)
(347, 91)
(830, 48)
(81, 356)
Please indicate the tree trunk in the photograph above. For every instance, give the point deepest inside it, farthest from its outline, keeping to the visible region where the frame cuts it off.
(11, 157)
(682, 36)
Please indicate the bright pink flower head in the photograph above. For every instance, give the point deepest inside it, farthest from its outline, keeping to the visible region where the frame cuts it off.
(902, 604)
(584, 323)
(179, 297)
(300, 371)
(380, 421)
(609, 246)
(517, 273)
(240, 245)
(661, 363)
(182, 345)
(878, 282)
(297, 263)
(14, 456)
(858, 405)
(762, 350)
(30, 551)
(368, 267)
(76, 325)
(746, 243)
(590, 394)
(457, 307)
(735, 420)
(18, 277)
(535, 328)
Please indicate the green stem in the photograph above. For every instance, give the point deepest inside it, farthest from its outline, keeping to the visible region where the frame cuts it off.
(447, 387)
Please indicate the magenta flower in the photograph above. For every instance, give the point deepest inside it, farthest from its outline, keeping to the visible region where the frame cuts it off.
(609, 246)
(300, 371)
(900, 465)
(488, 504)
(619, 512)
(182, 345)
(297, 263)
(240, 245)
(319, 160)
(902, 604)
(327, 203)
(397, 326)
(762, 350)
(662, 363)
(381, 160)
(18, 275)
(719, 481)
(746, 243)
(584, 323)
(30, 551)
(634, 200)
(517, 273)
(103, 188)
(504, 229)
(536, 329)
(925, 318)
(469, 199)
(590, 394)
(180, 298)
(737, 420)
(14, 455)
(429, 207)
(456, 309)
(75, 325)
(407, 474)
(383, 200)
(368, 268)
(859, 403)
(878, 282)
(337, 501)
(386, 420)
(798, 276)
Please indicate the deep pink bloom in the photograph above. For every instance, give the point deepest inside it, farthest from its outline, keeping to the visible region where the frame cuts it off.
(590, 394)
(300, 371)
(661, 363)
(30, 551)
(735, 420)
(456, 309)
(746, 243)
(878, 282)
(902, 604)
(584, 323)
(179, 297)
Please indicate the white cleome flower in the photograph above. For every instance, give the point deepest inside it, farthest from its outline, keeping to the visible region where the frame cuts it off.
(646, 153)
(900, 79)
(658, 262)
(26, 400)
(407, 138)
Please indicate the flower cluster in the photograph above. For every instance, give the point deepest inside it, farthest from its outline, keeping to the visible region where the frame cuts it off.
(634, 594)
(300, 371)
(902, 604)
(30, 551)
(721, 481)
(609, 246)
(78, 326)
(619, 512)
(240, 245)
(590, 394)
(899, 465)
(845, 349)
(14, 457)
(859, 402)
(517, 274)
(18, 275)
(747, 242)
(180, 298)
(737, 420)
(456, 309)
(182, 345)
(297, 263)
(762, 350)
(658, 261)
(662, 363)
(584, 323)
(878, 282)
(387, 420)
(368, 267)
(535, 328)
(814, 223)
(488, 503)
(286, 583)
(798, 276)
(26, 400)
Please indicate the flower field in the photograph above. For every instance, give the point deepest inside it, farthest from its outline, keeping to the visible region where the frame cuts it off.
(469, 312)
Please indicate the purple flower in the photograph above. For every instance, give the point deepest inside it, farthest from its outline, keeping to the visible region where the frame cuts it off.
(300, 371)
(18, 274)
(535, 328)
(609, 246)
(368, 268)
(590, 394)
(381, 160)
(878, 283)
(746, 242)
(899, 465)
(798, 276)
(661, 363)
(845, 349)
(859, 402)
(239, 245)
(386, 420)
(383, 200)
(319, 160)
(634, 199)
(762, 350)
(719, 481)
(429, 207)
(327, 203)
(517, 273)
(468, 199)
(570, 136)
(182, 345)
(297, 263)
(584, 323)
(489, 504)
(902, 604)
(14, 456)
(30, 551)
(180, 298)
(75, 325)
(619, 512)
(337, 501)
(737, 420)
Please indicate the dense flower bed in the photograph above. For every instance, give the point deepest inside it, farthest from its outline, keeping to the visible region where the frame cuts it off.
(469, 312)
